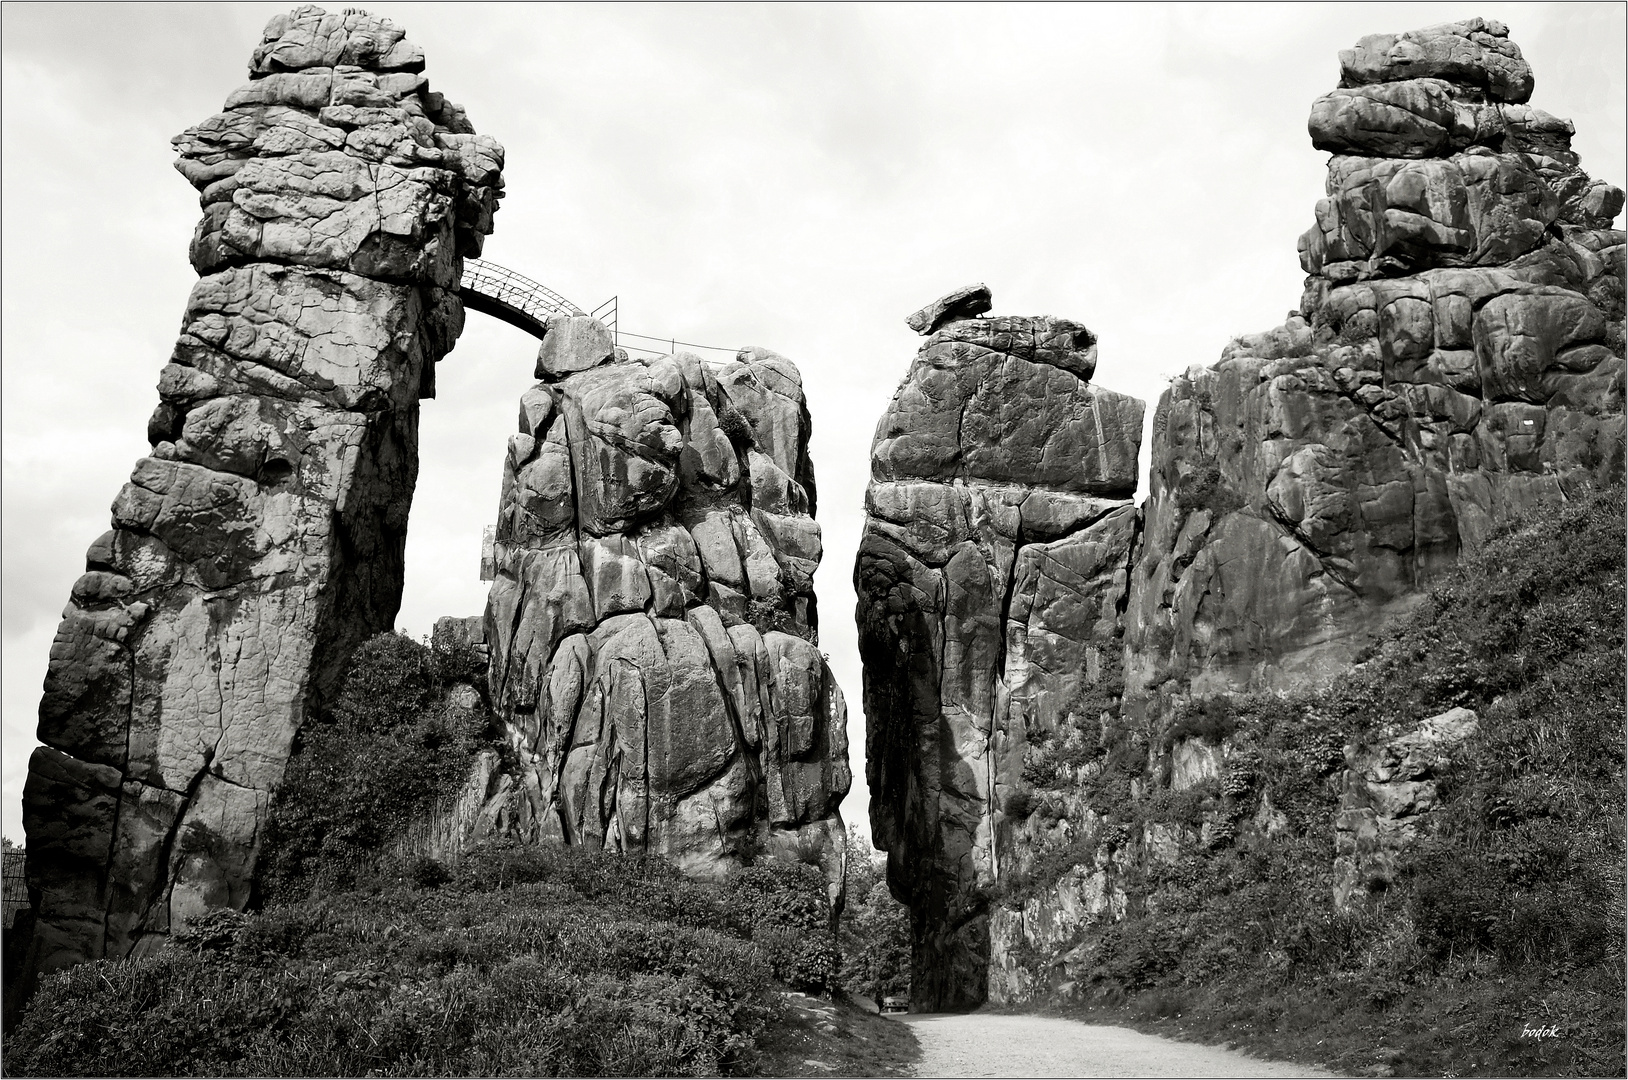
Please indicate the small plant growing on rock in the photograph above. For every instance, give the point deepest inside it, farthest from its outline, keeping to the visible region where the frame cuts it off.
(1207, 489)
(736, 427)
(1019, 802)
(1212, 719)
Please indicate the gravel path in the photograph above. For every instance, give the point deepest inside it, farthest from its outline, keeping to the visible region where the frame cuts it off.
(989, 1044)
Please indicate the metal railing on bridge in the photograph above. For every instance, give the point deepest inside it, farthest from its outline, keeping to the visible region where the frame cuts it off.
(521, 302)
(516, 299)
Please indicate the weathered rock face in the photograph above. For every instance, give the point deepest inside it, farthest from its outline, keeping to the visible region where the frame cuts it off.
(996, 548)
(651, 625)
(1456, 360)
(262, 539)
(1388, 792)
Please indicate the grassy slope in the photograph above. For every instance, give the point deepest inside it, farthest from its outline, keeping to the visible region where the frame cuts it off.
(519, 961)
(527, 962)
(1510, 917)
(834, 1036)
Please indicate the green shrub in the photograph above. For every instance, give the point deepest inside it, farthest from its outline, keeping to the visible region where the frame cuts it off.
(459, 663)
(1040, 769)
(736, 426)
(1207, 489)
(1019, 802)
(874, 934)
(428, 873)
(769, 615)
(390, 750)
(784, 908)
(1211, 719)
(389, 681)
(579, 963)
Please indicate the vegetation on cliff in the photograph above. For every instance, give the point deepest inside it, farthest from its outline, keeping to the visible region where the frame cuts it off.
(394, 745)
(512, 960)
(1504, 920)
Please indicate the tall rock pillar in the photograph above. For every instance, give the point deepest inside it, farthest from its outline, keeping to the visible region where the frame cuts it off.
(651, 624)
(1456, 361)
(262, 538)
(990, 576)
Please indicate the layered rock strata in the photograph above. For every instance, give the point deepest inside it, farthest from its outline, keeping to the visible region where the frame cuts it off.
(262, 538)
(652, 626)
(1456, 360)
(996, 547)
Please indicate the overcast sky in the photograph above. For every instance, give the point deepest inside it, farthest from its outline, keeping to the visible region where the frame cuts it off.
(797, 177)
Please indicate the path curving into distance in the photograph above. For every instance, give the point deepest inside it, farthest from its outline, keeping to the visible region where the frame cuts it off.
(993, 1044)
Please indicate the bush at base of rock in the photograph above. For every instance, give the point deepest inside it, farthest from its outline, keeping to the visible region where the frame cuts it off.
(1507, 908)
(781, 907)
(392, 747)
(526, 961)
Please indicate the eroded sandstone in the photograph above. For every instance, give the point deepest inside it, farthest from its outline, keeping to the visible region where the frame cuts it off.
(651, 624)
(262, 538)
(1456, 361)
(996, 547)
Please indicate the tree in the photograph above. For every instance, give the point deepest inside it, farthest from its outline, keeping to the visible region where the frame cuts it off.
(875, 932)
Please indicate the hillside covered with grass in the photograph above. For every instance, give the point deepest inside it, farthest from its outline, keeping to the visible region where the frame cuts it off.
(1505, 919)
(527, 961)
(509, 960)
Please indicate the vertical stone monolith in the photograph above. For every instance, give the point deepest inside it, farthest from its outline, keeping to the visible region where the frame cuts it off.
(262, 537)
(997, 541)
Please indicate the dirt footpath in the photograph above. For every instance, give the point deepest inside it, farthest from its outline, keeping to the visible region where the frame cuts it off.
(989, 1044)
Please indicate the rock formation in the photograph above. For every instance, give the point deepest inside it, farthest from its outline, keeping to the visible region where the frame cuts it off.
(1389, 791)
(652, 626)
(996, 547)
(1456, 360)
(262, 539)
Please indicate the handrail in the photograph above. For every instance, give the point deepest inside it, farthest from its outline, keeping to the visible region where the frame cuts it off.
(607, 314)
(516, 299)
(521, 302)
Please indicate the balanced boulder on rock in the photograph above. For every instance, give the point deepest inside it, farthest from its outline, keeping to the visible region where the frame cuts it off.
(996, 549)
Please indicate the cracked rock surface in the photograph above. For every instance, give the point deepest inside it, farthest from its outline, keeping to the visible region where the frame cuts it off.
(1457, 360)
(262, 538)
(651, 625)
(995, 556)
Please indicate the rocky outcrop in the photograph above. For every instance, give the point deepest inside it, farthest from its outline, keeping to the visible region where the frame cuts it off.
(262, 538)
(1389, 790)
(651, 625)
(996, 547)
(1456, 361)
